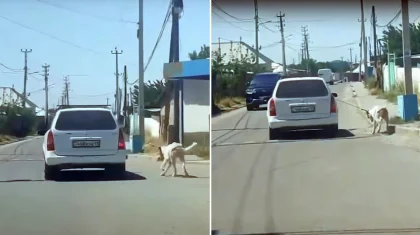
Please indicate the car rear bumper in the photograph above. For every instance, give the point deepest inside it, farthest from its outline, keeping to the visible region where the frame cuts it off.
(251, 101)
(318, 123)
(68, 162)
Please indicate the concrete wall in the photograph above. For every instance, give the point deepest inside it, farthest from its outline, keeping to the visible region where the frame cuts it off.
(196, 106)
(399, 76)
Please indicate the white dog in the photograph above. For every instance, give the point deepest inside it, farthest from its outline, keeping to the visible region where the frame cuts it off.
(170, 153)
(377, 115)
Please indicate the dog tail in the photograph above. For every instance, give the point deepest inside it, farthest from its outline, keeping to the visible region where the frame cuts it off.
(190, 147)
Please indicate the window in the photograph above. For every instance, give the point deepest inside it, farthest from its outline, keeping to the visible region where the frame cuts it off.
(265, 79)
(85, 120)
(301, 89)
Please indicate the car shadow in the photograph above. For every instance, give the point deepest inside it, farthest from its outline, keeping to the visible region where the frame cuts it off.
(314, 134)
(95, 175)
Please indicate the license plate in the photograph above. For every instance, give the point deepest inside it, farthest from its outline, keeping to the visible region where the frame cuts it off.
(86, 143)
(263, 106)
(303, 109)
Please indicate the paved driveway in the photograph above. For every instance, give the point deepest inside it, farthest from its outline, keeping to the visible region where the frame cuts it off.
(85, 202)
(308, 183)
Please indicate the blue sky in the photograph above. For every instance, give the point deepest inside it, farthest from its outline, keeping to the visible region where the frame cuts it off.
(333, 29)
(77, 37)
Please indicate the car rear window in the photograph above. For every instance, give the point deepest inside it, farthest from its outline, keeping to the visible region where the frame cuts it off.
(301, 89)
(85, 120)
(265, 79)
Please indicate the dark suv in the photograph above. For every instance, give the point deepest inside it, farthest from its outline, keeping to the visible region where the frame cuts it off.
(260, 89)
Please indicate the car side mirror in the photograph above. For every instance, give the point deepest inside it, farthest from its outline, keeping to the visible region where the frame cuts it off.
(41, 132)
(334, 94)
(121, 121)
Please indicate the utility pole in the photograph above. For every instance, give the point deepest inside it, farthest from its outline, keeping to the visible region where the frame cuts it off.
(406, 48)
(375, 44)
(351, 57)
(46, 66)
(25, 76)
(361, 53)
(305, 41)
(107, 101)
(283, 42)
(116, 53)
(257, 56)
(364, 38)
(140, 96)
(66, 97)
(125, 91)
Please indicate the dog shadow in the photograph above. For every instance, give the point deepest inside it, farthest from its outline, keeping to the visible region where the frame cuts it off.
(96, 175)
(183, 176)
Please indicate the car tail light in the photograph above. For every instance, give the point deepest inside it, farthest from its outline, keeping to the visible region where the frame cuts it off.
(272, 107)
(121, 141)
(333, 108)
(50, 142)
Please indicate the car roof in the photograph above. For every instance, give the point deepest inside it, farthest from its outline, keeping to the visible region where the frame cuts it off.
(83, 109)
(267, 73)
(301, 79)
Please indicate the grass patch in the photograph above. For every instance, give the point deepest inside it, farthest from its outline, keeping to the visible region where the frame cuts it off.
(5, 138)
(396, 120)
(201, 151)
(152, 143)
(370, 83)
(391, 95)
(229, 102)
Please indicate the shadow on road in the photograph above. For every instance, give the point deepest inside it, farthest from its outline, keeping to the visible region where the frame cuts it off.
(314, 134)
(96, 175)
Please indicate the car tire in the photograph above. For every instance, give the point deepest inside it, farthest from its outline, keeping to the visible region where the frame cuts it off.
(50, 172)
(273, 134)
(249, 107)
(332, 131)
(332, 83)
(116, 170)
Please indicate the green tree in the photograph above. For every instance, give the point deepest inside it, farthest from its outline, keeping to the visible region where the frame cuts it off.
(204, 53)
(154, 89)
(393, 41)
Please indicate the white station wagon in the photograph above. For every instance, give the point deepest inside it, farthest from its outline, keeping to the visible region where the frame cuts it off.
(84, 138)
(304, 103)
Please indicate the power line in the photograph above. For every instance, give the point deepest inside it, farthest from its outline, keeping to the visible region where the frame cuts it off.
(50, 36)
(226, 13)
(232, 24)
(8, 68)
(265, 26)
(84, 13)
(162, 30)
(391, 21)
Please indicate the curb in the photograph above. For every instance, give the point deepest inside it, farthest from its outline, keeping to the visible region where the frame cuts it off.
(407, 130)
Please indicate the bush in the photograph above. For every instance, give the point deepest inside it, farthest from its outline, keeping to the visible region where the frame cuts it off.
(17, 121)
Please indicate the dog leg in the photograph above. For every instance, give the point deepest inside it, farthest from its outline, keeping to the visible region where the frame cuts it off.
(167, 168)
(175, 173)
(380, 125)
(183, 167)
(374, 127)
(162, 166)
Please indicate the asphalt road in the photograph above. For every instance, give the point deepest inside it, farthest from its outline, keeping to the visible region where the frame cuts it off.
(305, 182)
(85, 202)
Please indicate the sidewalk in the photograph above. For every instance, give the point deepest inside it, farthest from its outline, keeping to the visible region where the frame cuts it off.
(366, 101)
